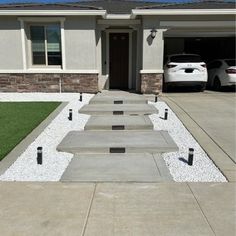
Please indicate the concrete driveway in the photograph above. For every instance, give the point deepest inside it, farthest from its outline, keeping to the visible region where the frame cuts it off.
(111, 209)
(211, 118)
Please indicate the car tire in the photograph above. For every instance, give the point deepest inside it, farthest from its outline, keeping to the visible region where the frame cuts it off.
(217, 84)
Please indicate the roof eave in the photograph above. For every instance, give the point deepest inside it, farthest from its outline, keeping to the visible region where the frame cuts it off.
(153, 12)
(53, 13)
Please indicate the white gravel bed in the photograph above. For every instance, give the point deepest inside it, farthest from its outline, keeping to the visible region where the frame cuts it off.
(25, 168)
(38, 97)
(203, 169)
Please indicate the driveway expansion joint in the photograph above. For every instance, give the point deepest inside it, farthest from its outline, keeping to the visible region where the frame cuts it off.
(89, 210)
(199, 206)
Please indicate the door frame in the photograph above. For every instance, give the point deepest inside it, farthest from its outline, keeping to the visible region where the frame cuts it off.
(108, 32)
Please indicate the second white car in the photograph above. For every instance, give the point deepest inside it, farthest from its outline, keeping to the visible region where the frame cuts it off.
(221, 73)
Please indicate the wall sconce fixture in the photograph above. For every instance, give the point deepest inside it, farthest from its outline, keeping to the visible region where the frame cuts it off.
(153, 33)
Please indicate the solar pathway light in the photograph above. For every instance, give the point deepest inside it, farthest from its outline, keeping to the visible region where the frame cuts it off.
(190, 156)
(166, 114)
(70, 114)
(156, 97)
(81, 97)
(39, 155)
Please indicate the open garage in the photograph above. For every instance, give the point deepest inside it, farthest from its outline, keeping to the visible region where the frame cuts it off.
(210, 37)
(209, 48)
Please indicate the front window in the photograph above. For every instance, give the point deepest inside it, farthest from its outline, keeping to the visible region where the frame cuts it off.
(46, 45)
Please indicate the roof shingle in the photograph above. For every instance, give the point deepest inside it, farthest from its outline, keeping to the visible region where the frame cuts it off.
(121, 6)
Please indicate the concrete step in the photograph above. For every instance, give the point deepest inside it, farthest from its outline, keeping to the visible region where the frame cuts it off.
(117, 142)
(116, 168)
(122, 109)
(113, 98)
(119, 123)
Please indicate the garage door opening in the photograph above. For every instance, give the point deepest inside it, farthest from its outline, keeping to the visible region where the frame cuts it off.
(208, 48)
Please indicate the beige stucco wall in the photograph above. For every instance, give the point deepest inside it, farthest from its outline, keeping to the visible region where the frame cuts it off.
(193, 26)
(80, 43)
(10, 44)
(197, 26)
(152, 48)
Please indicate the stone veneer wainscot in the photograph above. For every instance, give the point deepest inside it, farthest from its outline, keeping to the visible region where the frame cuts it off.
(151, 83)
(48, 82)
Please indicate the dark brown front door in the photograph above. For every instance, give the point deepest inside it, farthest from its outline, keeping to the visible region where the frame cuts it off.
(119, 60)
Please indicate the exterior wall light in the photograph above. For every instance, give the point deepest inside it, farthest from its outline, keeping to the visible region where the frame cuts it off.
(153, 33)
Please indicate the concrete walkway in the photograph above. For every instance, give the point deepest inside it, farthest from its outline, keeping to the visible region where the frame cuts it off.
(116, 97)
(131, 141)
(107, 209)
(114, 109)
(210, 117)
(119, 122)
(117, 168)
(128, 136)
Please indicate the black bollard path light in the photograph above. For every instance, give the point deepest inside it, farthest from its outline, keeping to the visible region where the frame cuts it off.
(70, 114)
(81, 97)
(190, 156)
(156, 97)
(39, 155)
(166, 114)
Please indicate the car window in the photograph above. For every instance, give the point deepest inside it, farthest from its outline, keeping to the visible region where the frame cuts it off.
(186, 58)
(231, 62)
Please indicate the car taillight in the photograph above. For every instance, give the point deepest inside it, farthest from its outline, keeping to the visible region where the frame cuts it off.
(203, 65)
(171, 66)
(230, 71)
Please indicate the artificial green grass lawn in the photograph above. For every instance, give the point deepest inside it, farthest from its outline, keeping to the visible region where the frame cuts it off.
(18, 119)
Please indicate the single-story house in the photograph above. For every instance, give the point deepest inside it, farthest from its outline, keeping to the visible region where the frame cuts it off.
(106, 44)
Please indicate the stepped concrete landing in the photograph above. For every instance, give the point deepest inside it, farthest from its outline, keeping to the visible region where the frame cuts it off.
(116, 168)
(125, 109)
(119, 122)
(118, 98)
(103, 141)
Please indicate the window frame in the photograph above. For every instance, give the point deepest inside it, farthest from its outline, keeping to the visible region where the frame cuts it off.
(44, 24)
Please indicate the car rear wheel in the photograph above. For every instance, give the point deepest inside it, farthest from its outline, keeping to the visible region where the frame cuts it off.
(216, 84)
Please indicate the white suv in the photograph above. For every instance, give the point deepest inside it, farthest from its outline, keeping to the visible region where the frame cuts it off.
(221, 72)
(183, 70)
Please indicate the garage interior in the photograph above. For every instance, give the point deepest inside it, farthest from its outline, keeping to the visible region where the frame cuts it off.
(209, 48)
